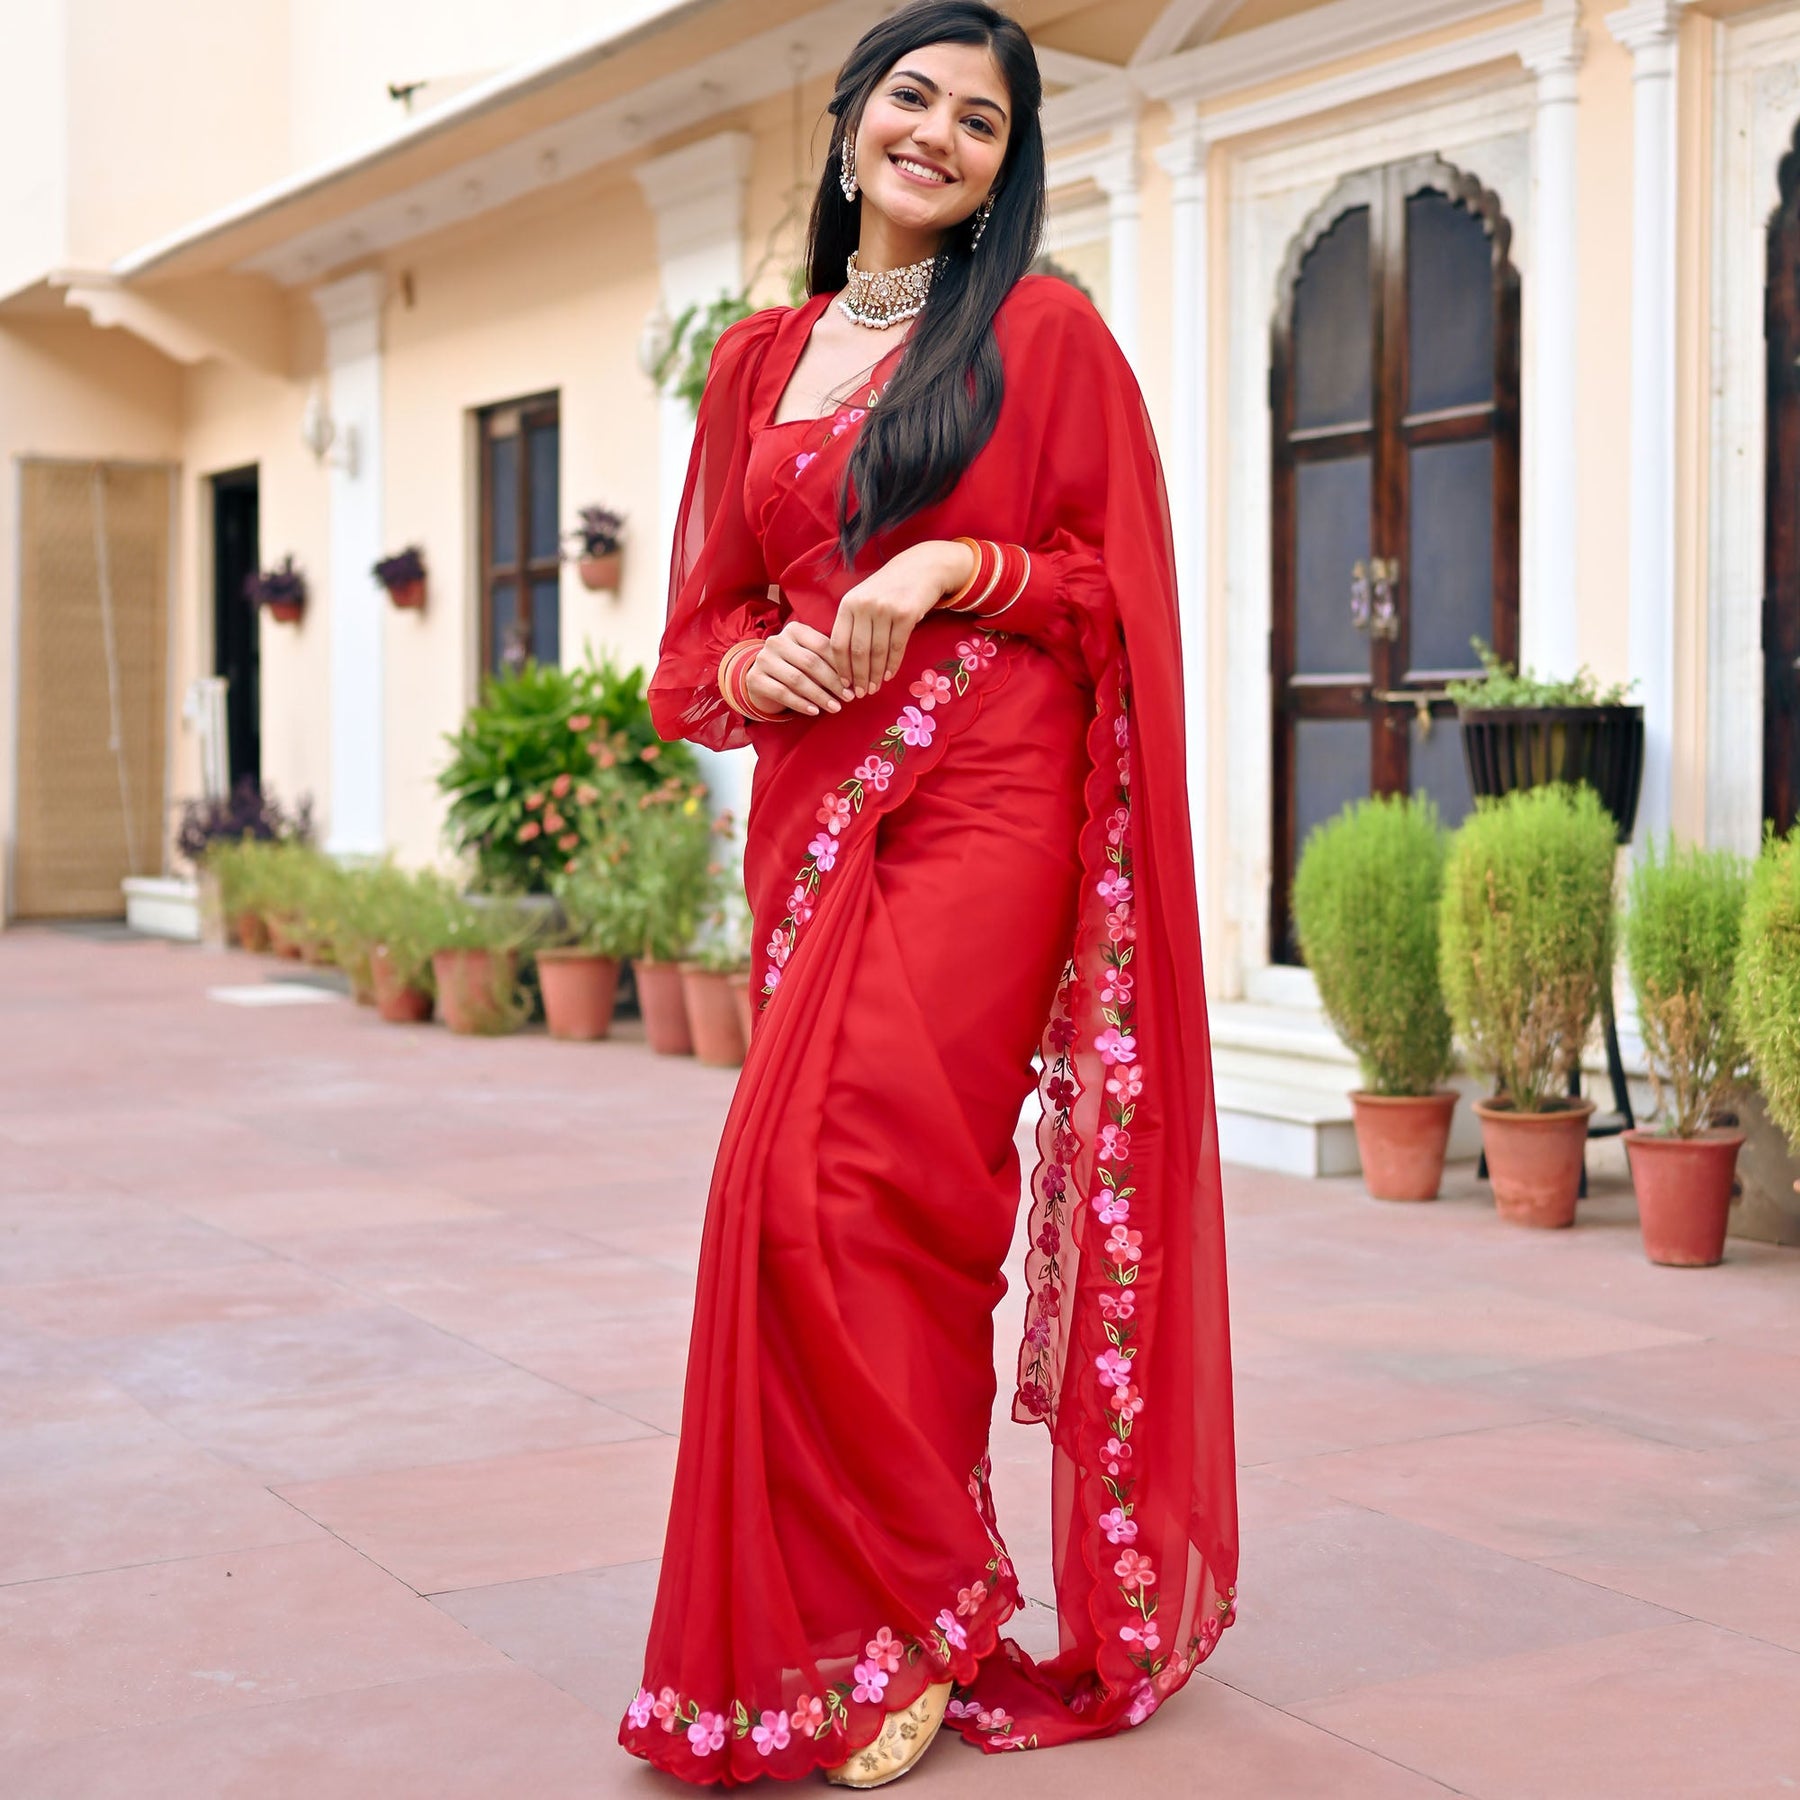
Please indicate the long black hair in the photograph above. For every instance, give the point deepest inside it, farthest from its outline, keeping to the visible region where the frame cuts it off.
(944, 399)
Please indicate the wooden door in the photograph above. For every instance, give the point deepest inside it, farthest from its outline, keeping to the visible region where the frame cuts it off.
(1781, 521)
(1394, 392)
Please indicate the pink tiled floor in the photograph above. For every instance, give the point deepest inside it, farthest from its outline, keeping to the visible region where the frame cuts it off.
(340, 1363)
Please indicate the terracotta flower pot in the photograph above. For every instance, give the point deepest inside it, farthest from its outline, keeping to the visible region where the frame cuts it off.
(285, 612)
(744, 999)
(395, 1001)
(1401, 1140)
(1684, 1194)
(713, 1016)
(664, 1007)
(1534, 1160)
(281, 936)
(601, 573)
(409, 595)
(251, 933)
(474, 989)
(579, 989)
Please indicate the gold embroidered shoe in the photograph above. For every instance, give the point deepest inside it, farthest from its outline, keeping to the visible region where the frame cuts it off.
(905, 1737)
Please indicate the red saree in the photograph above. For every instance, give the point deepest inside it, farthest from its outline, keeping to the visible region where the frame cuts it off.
(987, 857)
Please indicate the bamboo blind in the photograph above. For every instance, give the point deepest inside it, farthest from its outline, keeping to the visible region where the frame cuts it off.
(93, 683)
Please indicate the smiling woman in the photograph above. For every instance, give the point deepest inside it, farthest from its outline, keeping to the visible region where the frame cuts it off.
(937, 472)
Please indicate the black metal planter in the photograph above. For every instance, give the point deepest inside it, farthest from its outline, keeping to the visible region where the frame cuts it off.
(1512, 747)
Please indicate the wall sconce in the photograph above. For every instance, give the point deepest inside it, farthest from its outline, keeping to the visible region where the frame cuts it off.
(319, 432)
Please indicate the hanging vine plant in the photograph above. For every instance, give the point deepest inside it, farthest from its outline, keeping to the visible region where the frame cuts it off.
(680, 366)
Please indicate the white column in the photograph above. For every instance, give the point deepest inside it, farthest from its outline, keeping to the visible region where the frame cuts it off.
(1647, 29)
(1117, 177)
(1183, 158)
(697, 194)
(1548, 624)
(351, 311)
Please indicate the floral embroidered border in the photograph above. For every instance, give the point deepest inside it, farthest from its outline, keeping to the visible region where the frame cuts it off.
(915, 728)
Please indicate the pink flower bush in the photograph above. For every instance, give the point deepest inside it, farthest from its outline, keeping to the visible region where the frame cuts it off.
(1118, 1528)
(871, 1683)
(707, 1733)
(914, 726)
(1134, 1571)
(771, 1734)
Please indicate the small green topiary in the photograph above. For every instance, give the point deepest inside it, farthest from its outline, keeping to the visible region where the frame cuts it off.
(1366, 901)
(1682, 926)
(1768, 979)
(1526, 939)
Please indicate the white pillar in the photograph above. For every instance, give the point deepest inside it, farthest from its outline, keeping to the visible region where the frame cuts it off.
(1648, 28)
(1183, 158)
(1117, 177)
(351, 312)
(1548, 624)
(697, 194)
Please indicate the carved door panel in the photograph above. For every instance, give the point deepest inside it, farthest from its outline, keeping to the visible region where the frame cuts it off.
(1394, 392)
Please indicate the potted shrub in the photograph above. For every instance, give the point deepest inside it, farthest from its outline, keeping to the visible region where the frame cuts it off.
(211, 826)
(521, 755)
(1525, 946)
(600, 911)
(403, 575)
(475, 955)
(715, 982)
(1366, 902)
(280, 591)
(598, 540)
(1683, 918)
(667, 861)
(400, 916)
(1767, 988)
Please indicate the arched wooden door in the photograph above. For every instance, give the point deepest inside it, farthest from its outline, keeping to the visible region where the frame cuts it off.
(1781, 512)
(1395, 400)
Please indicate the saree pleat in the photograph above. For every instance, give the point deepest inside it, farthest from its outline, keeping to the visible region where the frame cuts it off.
(962, 894)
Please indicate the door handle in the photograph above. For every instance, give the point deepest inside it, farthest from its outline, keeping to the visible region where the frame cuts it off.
(1373, 588)
(1420, 699)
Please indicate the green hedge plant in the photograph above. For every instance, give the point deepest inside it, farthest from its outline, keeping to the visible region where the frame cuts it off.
(1767, 989)
(1366, 905)
(1683, 919)
(1526, 935)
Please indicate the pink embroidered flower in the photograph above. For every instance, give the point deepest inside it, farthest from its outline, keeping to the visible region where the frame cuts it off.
(808, 1714)
(1124, 1245)
(800, 905)
(823, 850)
(771, 979)
(1049, 1240)
(885, 1650)
(1056, 1181)
(1115, 1144)
(876, 770)
(1147, 1635)
(871, 1682)
(707, 1733)
(1127, 1402)
(1116, 822)
(971, 1599)
(1122, 728)
(1115, 1370)
(914, 726)
(1116, 1455)
(641, 1709)
(1134, 1571)
(1116, 986)
(1035, 1398)
(1049, 1301)
(1010, 1742)
(1037, 1333)
(1063, 1145)
(1111, 1208)
(665, 1708)
(930, 688)
(1117, 1303)
(1059, 1090)
(1126, 1083)
(1115, 889)
(779, 946)
(1118, 1528)
(947, 1623)
(771, 1735)
(834, 812)
(1116, 1046)
(974, 651)
(997, 1720)
(963, 1709)
(1119, 926)
(1143, 1703)
(804, 460)
(845, 420)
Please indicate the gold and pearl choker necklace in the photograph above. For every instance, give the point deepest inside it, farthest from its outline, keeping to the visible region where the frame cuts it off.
(888, 296)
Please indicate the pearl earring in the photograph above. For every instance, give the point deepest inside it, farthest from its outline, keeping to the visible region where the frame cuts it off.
(847, 174)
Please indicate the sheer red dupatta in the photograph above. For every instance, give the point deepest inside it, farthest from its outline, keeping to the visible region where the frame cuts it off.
(1126, 1349)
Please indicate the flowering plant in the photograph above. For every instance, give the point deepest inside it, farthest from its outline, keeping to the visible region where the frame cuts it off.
(599, 530)
(248, 811)
(283, 585)
(402, 569)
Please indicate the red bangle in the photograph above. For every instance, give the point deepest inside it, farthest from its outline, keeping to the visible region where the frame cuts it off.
(734, 671)
(1001, 572)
